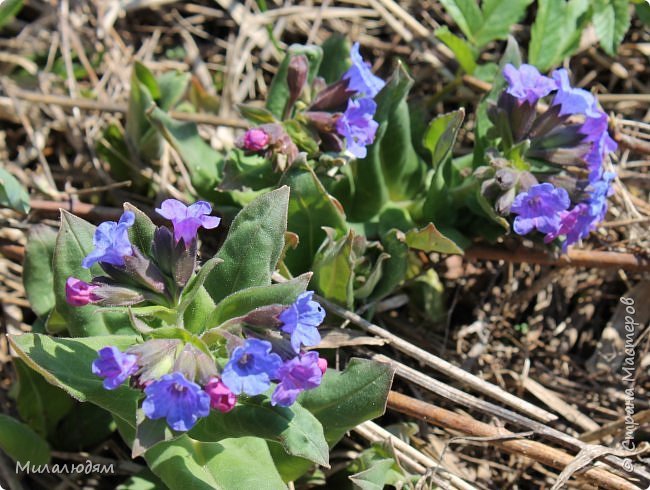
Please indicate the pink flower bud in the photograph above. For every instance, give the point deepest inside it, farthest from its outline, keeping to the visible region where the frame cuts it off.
(80, 293)
(255, 139)
(322, 364)
(221, 398)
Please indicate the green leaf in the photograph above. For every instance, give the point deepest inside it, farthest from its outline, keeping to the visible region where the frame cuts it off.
(310, 209)
(279, 90)
(395, 267)
(73, 243)
(142, 231)
(464, 53)
(231, 464)
(611, 20)
(376, 477)
(334, 269)
(295, 428)
(173, 85)
(202, 161)
(145, 480)
(21, 443)
(429, 239)
(38, 276)
(12, 194)
(253, 246)
(196, 283)
(467, 14)
(346, 399)
(8, 10)
(246, 300)
(336, 58)
(498, 17)
(196, 314)
(66, 363)
(556, 31)
(39, 403)
(83, 428)
(643, 13)
(146, 142)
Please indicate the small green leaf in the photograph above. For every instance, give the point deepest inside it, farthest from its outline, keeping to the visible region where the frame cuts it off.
(376, 477)
(12, 193)
(253, 246)
(466, 14)
(310, 209)
(394, 271)
(334, 269)
(336, 58)
(429, 239)
(441, 135)
(21, 443)
(142, 231)
(202, 161)
(463, 51)
(256, 115)
(196, 283)
(246, 300)
(38, 276)
(346, 399)
(8, 10)
(556, 31)
(611, 20)
(498, 17)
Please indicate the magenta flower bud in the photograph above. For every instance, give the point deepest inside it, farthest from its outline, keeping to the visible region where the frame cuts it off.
(80, 293)
(221, 398)
(255, 140)
(322, 364)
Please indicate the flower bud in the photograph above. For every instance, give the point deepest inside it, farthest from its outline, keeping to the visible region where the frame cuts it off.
(322, 364)
(156, 357)
(221, 398)
(297, 75)
(195, 364)
(80, 293)
(333, 98)
(255, 139)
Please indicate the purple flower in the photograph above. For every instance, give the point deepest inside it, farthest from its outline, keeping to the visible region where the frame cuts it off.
(115, 366)
(595, 130)
(572, 100)
(360, 79)
(111, 242)
(255, 139)
(251, 367)
(187, 219)
(584, 217)
(357, 126)
(79, 293)
(176, 399)
(527, 84)
(296, 375)
(221, 398)
(301, 320)
(539, 208)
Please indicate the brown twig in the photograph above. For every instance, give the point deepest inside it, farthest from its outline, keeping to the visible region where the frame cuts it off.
(574, 258)
(502, 438)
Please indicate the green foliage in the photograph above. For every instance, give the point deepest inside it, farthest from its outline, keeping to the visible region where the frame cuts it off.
(556, 32)
(253, 246)
(21, 443)
(611, 19)
(38, 276)
(491, 21)
(12, 193)
(335, 60)
(465, 54)
(8, 10)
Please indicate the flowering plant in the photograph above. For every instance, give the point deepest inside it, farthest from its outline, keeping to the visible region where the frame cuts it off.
(200, 359)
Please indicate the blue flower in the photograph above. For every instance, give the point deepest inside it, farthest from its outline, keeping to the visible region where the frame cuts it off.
(527, 84)
(188, 219)
(115, 366)
(111, 242)
(301, 320)
(176, 399)
(360, 79)
(570, 99)
(357, 126)
(251, 368)
(595, 130)
(539, 208)
(296, 375)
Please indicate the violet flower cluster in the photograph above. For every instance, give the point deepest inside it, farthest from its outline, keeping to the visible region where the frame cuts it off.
(339, 116)
(568, 198)
(182, 380)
